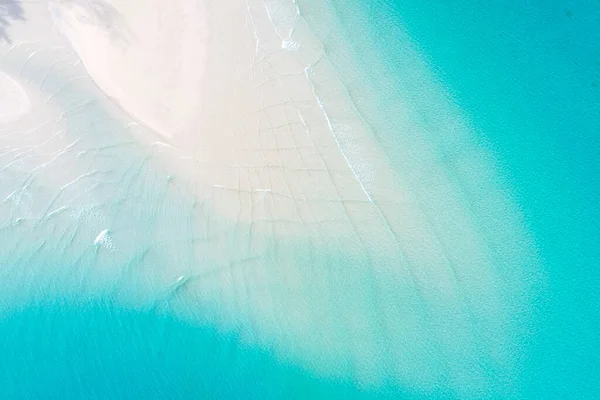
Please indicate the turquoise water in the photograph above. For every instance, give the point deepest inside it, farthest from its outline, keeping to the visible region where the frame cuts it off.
(98, 350)
(82, 321)
(527, 74)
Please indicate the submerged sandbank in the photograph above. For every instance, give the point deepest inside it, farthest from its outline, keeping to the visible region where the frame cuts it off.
(240, 109)
(301, 230)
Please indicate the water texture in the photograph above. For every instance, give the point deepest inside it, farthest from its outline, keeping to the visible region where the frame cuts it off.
(118, 281)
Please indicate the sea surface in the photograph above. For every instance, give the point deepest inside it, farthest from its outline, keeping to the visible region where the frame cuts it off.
(97, 246)
(527, 74)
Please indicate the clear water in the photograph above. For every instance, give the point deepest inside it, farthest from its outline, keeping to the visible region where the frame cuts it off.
(527, 74)
(108, 320)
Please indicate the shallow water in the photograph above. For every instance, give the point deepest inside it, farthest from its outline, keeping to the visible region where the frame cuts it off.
(119, 283)
(526, 73)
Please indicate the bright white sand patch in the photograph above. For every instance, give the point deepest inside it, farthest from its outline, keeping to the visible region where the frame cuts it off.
(14, 102)
(148, 57)
(239, 102)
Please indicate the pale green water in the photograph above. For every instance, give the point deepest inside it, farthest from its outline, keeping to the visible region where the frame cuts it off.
(82, 321)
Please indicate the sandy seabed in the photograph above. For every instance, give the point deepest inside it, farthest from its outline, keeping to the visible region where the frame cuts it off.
(276, 209)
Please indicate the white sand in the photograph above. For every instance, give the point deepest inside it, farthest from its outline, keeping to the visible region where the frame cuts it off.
(142, 55)
(240, 106)
(14, 101)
